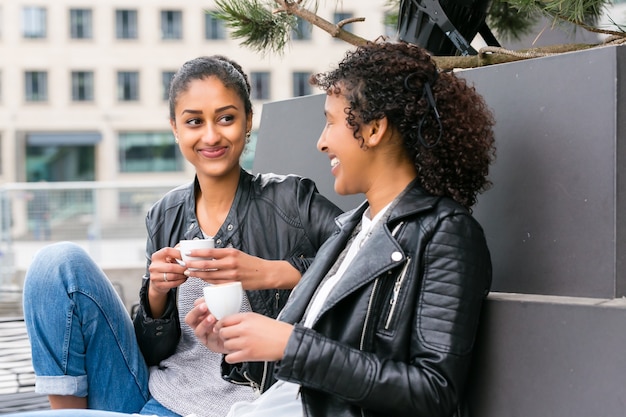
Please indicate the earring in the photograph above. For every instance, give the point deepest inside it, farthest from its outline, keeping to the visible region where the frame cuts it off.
(248, 135)
(176, 139)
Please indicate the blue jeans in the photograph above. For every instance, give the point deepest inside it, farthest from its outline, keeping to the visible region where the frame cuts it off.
(82, 338)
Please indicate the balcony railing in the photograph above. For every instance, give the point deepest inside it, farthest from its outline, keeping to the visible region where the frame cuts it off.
(94, 212)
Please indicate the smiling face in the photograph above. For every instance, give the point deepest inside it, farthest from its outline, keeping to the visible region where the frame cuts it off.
(210, 126)
(349, 161)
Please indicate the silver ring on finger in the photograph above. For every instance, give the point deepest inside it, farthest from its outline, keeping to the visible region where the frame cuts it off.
(164, 276)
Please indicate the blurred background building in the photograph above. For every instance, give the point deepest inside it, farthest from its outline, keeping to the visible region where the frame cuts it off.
(84, 89)
(85, 141)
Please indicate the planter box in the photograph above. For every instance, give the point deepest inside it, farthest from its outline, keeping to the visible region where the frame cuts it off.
(555, 222)
(555, 217)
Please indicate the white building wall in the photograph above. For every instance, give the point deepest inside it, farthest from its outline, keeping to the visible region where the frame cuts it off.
(59, 55)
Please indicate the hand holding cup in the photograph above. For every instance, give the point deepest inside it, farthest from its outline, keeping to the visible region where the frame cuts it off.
(223, 299)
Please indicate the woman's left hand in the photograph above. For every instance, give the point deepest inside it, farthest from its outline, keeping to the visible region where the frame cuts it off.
(253, 337)
(229, 264)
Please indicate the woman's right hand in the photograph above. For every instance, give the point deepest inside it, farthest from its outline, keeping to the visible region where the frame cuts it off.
(165, 272)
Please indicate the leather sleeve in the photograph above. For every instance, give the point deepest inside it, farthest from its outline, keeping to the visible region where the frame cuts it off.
(157, 338)
(317, 215)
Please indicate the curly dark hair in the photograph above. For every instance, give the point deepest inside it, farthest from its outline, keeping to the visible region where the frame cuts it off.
(451, 144)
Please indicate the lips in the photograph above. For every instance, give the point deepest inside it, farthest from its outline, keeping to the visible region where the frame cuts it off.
(213, 152)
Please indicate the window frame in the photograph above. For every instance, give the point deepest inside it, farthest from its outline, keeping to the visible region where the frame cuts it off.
(82, 85)
(32, 29)
(35, 80)
(155, 142)
(127, 86)
(171, 25)
(81, 23)
(300, 83)
(214, 28)
(126, 24)
(264, 80)
(303, 30)
(166, 79)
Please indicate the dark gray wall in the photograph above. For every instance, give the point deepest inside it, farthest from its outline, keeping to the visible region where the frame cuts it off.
(554, 326)
(553, 217)
(287, 143)
(541, 356)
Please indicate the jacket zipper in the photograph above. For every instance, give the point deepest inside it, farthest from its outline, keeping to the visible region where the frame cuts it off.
(367, 315)
(371, 301)
(396, 292)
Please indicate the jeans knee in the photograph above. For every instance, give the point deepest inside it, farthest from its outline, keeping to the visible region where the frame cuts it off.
(49, 261)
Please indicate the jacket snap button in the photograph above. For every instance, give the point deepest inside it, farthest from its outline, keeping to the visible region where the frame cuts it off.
(230, 227)
(396, 256)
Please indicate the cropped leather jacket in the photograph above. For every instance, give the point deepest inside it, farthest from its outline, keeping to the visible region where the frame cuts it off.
(395, 336)
(273, 217)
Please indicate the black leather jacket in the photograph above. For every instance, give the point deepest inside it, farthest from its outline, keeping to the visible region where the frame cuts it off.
(273, 217)
(395, 336)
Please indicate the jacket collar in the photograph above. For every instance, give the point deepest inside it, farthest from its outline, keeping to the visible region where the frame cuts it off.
(231, 223)
(380, 253)
(413, 199)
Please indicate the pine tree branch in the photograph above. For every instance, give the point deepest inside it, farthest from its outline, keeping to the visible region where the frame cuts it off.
(268, 25)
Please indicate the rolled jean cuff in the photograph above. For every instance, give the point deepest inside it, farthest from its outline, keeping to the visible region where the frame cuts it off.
(61, 385)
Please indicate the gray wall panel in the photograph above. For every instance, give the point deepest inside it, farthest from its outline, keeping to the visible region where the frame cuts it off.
(552, 218)
(550, 357)
(287, 143)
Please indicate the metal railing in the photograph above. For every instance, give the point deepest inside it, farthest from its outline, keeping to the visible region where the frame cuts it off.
(94, 212)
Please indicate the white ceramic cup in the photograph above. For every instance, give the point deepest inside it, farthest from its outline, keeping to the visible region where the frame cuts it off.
(188, 245)
(223, 299)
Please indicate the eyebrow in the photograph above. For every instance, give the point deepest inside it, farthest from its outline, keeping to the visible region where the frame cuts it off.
(219, 110)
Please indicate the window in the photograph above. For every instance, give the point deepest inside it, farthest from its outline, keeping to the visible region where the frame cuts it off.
(82, 85)
(260, 84)
(148, 152)
(302, 31)
(128, 86)
(166, 78)
(126, 24)
(80, 24)
(301, 86)
(34, 22)
(338, 17)
(390, 22)
(36, 84)
(171, 24)
(213, 27)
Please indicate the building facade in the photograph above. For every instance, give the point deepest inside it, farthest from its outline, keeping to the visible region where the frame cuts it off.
(83, 83)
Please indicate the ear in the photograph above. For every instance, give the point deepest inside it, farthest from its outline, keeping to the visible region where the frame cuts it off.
(377, 130)
(249, 123)
(173, 126)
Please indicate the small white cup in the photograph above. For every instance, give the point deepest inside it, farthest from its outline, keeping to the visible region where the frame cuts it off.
(188, 245)
(223, 299)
